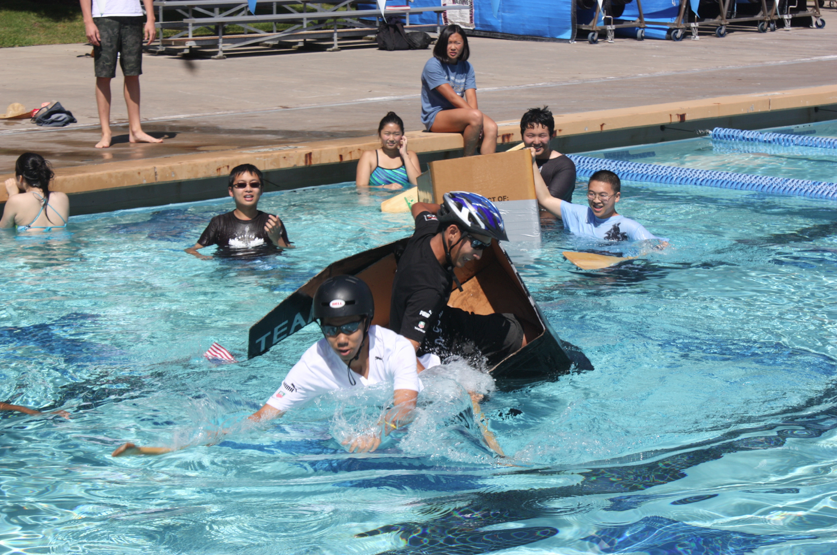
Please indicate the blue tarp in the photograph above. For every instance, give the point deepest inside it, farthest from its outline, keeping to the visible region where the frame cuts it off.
(538, 18)
(664, 11)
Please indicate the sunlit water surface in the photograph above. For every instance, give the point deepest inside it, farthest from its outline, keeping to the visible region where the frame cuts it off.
(707, 425)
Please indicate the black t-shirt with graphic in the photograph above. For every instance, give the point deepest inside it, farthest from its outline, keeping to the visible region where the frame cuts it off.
(239, 237)
(422, 287)
(559, 174)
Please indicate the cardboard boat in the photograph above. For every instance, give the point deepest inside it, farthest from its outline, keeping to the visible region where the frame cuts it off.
(490, 284)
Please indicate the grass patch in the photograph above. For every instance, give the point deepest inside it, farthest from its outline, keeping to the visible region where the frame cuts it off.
(30, 22)
(33, 22)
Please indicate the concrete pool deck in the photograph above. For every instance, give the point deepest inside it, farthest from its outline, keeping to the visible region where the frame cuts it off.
(313, 108)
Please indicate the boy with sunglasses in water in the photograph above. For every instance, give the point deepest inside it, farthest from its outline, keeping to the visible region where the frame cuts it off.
(246, 230)
(353, 353)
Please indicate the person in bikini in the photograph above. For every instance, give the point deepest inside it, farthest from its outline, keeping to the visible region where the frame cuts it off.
(245, 230)
(31, 205)
(392, 166)
(352, 354)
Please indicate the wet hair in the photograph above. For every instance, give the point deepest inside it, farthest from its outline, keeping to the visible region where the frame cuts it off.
(440, 51)
(391, 117)
(607, 176)
(35, 171)
(245, 168)
(537, 116)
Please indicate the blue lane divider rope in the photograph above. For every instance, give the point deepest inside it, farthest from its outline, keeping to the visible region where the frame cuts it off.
(672, 175)
(730, 147)
(783, 139)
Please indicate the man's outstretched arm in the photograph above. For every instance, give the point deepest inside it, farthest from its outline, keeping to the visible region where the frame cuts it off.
(32, 412)
(262, 415)
(18, 408)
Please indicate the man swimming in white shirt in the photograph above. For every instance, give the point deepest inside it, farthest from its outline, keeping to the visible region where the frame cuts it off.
(353, 353)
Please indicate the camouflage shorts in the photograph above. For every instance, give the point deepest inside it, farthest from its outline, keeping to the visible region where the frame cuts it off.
(119, 37)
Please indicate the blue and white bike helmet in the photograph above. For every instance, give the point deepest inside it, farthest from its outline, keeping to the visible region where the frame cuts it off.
(474, 213)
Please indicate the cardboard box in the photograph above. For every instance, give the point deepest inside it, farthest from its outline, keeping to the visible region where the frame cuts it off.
(505, 178)
(499, 177)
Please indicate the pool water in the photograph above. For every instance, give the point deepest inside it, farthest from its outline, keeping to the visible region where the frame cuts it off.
(708, 424)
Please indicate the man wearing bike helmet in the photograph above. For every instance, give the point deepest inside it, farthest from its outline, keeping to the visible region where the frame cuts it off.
(449, 236)
(352, 353)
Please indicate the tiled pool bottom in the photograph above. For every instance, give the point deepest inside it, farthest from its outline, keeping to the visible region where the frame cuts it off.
(706, 427)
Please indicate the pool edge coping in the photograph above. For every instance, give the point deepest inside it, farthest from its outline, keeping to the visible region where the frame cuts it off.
(217, 164)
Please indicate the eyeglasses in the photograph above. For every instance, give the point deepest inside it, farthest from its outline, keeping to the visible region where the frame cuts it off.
(604, 197)
(476, 244)
(334, 331)
(242, 185)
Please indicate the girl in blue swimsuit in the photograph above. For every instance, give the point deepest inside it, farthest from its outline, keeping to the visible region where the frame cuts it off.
(392, 166)
(31, 205)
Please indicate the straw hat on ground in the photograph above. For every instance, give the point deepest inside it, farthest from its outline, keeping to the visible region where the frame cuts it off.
(16, 110)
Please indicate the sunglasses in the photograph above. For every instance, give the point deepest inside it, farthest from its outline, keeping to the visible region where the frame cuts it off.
(348, 329)
(476, 244)
(242, 185)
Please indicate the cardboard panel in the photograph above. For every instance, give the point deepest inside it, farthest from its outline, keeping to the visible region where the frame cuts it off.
(491, 285)
(500, 177)
(376, 267)
(379, 277)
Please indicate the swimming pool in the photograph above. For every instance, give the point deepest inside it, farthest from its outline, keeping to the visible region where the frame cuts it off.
(706, 427)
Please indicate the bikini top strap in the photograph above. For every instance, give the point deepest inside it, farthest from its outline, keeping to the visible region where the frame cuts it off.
(57, 213)
(378, 163)
(44, 206)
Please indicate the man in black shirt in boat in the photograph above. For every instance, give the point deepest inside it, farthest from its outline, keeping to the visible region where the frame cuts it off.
(245, 230)
(447, 237)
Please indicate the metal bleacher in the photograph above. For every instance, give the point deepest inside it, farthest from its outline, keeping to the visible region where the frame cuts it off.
(671, 19)
(309, 21)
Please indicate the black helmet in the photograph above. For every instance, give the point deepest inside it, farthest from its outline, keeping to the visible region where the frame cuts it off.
(341, 296)
(472, 212)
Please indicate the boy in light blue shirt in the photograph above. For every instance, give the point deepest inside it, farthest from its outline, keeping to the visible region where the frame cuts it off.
(599, 219)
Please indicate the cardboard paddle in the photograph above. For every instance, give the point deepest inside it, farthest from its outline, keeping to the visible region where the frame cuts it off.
(590, 261)
(403, 201)
(400, 202)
